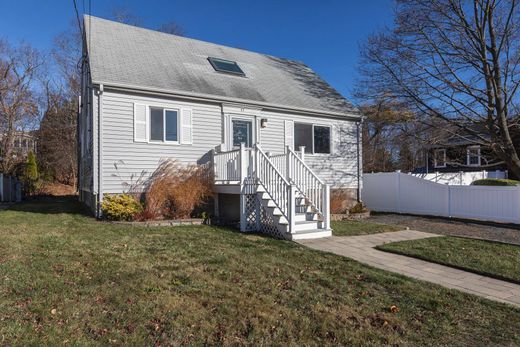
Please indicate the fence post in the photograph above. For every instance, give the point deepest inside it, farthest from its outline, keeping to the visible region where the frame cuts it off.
(18, 191)
(288, 164)
(518, 203)
(449, 201)
(292, 208)
(1, 187)
(243, 174)
(326, 207)
(398, 173)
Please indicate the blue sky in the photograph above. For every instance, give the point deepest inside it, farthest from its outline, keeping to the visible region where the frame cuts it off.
(324, 34)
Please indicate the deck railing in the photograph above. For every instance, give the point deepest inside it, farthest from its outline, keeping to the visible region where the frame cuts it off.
(226, 165)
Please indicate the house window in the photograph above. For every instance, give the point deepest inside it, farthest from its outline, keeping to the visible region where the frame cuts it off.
(164, 125)
(473, 156)
(315, 138)
(227, 66)
(439, 158)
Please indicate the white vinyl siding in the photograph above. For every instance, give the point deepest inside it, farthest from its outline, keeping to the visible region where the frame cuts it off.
(126, 160)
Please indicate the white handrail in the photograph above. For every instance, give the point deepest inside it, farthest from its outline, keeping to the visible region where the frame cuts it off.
(275, 184)
(309, 184)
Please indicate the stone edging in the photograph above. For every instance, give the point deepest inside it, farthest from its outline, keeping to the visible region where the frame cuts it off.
(163, 223)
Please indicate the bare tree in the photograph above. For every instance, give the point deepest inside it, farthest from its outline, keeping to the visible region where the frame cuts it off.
(172, 28)
(124, 15)
(455, 60)
(18, 100)
(57, 145)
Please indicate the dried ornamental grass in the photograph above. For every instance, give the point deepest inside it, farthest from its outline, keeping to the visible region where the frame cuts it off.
(175, 190)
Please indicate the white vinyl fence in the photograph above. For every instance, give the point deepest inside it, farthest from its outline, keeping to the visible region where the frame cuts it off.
(460, 178)
(10, 189)
(403, 193)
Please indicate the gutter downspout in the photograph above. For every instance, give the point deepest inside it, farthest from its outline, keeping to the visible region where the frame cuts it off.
(359, 170)
(100, 150)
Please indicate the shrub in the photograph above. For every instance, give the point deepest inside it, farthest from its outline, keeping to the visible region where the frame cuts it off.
(495, 182)
(175, 190)
(358, 208)
(30, 175)
(338, 200)
(123, 207)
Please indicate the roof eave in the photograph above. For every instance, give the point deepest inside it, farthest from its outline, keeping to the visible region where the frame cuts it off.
(354, 115)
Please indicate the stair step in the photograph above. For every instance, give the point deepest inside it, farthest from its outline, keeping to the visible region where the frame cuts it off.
(311, 234)
(306, 225)
(305, 216)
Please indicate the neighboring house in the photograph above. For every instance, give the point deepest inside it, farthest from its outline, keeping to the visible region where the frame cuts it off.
(23, 143)
(460, 153)
(148, 96)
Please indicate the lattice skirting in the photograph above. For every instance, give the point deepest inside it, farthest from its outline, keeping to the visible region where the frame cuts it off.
(266, 224)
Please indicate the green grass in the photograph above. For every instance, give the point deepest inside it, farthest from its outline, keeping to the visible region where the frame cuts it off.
(492, 259)
(112, 284)
(352, 228)
(495, 182)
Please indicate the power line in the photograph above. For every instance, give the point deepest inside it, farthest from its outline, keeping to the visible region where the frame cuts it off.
(77, 14)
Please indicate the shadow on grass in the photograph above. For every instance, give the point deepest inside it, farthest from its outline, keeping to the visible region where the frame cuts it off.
(52, 205)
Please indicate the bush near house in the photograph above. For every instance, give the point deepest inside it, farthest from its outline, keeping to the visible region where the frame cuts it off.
(495, 182)
(176, 190)
(122, 207)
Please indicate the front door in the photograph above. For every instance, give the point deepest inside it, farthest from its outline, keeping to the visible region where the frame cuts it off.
(242, 131)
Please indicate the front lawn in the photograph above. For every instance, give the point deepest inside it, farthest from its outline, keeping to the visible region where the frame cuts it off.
(492, 259)
(353, 228)
(67, 279)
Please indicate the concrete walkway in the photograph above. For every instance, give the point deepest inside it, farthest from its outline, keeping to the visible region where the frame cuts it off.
(361, 248)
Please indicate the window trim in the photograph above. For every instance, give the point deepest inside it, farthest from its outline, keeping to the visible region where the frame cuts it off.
(149, 127)
(217, 69)
(435, 164)
(468, 155)
(312, 137)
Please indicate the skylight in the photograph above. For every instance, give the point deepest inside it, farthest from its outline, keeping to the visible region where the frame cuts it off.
(226, 66)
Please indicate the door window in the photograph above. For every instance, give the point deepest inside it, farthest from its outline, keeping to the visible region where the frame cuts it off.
(242, 132)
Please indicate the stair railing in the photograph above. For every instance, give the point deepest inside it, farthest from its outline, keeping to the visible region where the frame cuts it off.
(281, 192)
(309, 184)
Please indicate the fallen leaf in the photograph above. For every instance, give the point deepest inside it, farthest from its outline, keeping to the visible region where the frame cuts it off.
(394, 309)
(53, 311)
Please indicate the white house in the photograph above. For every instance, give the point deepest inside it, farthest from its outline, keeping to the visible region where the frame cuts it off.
(277, 135)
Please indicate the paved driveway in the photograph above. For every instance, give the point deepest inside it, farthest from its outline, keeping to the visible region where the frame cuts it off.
(446, 226)
(361, 248)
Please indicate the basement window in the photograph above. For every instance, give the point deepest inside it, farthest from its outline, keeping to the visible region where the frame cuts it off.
(226, 66)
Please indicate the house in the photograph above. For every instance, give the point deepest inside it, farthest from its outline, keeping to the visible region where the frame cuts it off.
(460, 157)
(277, 135)
(23, 143)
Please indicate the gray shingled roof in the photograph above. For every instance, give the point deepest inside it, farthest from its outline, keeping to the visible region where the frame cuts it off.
(122, 54)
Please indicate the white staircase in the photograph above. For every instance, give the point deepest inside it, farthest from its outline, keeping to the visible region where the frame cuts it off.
(290, 197)
(307, 222)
